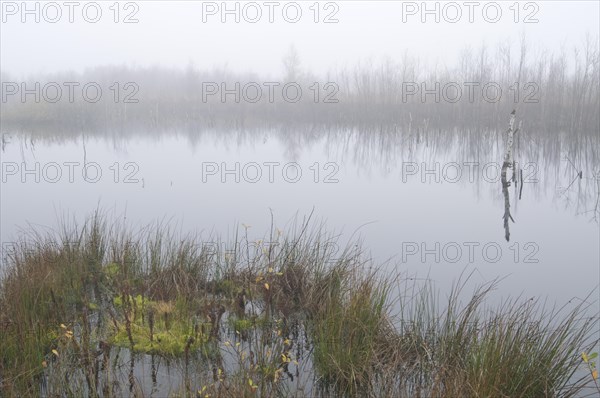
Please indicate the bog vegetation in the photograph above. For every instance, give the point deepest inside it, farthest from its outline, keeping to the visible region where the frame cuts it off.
(102, 310)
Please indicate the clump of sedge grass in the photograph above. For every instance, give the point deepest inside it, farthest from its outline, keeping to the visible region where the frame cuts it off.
(363, 333)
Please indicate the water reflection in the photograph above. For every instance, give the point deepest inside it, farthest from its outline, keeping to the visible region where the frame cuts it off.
(425, 186)
(544, 164)
(416, 182)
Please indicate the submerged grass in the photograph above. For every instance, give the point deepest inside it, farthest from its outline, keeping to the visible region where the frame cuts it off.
(291, 318)
(514, 349)
(351, 334)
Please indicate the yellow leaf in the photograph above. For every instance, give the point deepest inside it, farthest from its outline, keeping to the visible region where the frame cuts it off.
(55, 352)
(271, 270)
(62, 325)
(584, 357)
(250, 383)
(595, 374)
(267, 286)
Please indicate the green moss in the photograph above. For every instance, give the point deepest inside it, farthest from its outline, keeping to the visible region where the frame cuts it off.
(111, 270)
(169, 339)
(168, 343)
(246, 324)
(241, 325)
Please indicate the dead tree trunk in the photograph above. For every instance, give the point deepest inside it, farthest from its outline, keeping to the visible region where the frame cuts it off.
(508, 163)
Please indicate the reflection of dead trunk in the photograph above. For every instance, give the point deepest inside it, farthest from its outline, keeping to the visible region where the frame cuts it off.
(521, 180)
(105, 348)
(508, 163)
(131, 373)
(505, 185)
(153, 371)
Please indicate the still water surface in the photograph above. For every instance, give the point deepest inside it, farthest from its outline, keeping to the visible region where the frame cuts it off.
(428, 203)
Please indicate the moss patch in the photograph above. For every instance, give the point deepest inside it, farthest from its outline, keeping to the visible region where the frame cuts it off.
(161, 330)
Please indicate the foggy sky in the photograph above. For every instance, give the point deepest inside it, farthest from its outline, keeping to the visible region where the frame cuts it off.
(173, 34)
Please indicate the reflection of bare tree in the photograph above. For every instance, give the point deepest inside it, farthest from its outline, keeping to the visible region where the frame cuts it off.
(596, 209)
(508, 163)
(578, 190)
(578, 176)
(382, 149)
(378, 140)
(4, 142)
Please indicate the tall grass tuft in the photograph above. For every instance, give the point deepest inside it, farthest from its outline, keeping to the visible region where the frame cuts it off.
(295, 318)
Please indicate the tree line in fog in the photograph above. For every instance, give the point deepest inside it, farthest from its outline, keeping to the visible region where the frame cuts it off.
(552, 92)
